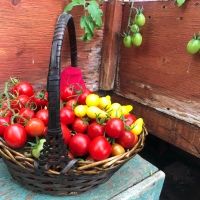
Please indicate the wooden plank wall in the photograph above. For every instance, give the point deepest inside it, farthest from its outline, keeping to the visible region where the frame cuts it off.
(26, 29)
(161, 75)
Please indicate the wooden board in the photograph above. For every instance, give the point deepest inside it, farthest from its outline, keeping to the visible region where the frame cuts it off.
(161, 74)
(146, 181)
(183, 135)
(25, 41)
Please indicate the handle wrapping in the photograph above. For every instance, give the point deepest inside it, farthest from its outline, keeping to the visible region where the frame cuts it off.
(54, 152)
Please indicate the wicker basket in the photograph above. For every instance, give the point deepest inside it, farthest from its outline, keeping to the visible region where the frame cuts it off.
(54, 173)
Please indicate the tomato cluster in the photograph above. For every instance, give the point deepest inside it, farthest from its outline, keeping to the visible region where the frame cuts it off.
(92, 126)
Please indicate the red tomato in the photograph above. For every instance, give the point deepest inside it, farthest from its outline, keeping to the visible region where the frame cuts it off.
(43, 115)
(80, 125)
(23, 88)
(114, 127)
(20, 102)
(82, 97)
(71, 104)
(67, 116)
(4, 122)
(100, 148)
(15, 136)
(25, 114)
(66, 133)
(79, 144)
(127, 139)
(129, 119)
(41, 99)
(67, 93)
(35, 127)
(95, 129)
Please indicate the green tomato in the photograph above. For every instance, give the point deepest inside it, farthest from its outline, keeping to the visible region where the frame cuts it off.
(140, 19)
(193, 46)
(136, 39)
(127, 41)
(37, 148)
(135, 28)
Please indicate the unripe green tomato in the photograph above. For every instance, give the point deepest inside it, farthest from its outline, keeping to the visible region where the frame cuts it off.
(140, 19)
(136, 39)
(127, 41)
(135, 28)
(193, 46)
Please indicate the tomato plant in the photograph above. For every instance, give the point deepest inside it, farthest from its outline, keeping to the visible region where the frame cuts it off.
(67, 116)
(114, 127)
(15, 136)
(35, 127)
(80, 125)
(79, 144)
(95, 129)
(100, 148)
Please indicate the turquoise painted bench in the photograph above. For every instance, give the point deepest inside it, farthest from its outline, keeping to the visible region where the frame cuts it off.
(135, 180)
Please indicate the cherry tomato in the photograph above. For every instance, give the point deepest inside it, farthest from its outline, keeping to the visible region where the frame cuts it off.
(79, 144)
(80, 125)
(40, 99)
(127, 139)
(43, 115)
(20, 102)
(100, 148)
(95, 129)
(67, 116)
(127, 41)
(82, 97)
(137, 39)
(114, 127)
(67, 93)
(15, 136)
(129, 119)
(23, 88)
(4, 122)
(117, 149)
(71, 104)
(193, 46)
(25, 114)
(66, 133)
(35, 127)
(140, 19)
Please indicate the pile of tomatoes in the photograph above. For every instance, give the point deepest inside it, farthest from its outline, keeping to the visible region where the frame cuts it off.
(92, 126)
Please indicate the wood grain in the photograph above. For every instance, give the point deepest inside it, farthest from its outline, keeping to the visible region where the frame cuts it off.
(160, 73)
(183, 135)
(25, 41)
(110, 50)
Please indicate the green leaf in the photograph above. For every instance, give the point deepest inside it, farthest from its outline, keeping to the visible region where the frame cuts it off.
(95, 12)
(74, 3)
(180, 2)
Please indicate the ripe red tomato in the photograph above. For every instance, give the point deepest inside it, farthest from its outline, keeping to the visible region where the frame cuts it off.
(43, 115)
(67, 116)
(20, 102)
(80, 125)
(127, 139)
(67, 93)
(23, 88)
(100, 148)
(4, 122)
(79, 144)
(129, 119)
(35, 127)
(114, 127)
(95, 129)
(82, 97)
(40, 99)
(66, 133)
(25, 114)
(71, 104)
(15, 136)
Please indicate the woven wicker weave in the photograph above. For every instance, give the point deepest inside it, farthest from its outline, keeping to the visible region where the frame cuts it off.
(54, 173)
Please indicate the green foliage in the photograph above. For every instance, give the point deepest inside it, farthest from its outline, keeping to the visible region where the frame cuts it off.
(180, 2)
(91, 20)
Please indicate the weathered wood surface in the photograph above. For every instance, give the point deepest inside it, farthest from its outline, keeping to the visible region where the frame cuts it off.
(135, 172)
(183, 135)
(111, 41)
(25, 40)
(161, 74)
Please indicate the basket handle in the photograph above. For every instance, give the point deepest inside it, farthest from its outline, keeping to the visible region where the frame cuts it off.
(54, 152)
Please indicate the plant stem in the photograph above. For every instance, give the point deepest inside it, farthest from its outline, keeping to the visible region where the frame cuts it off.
(130, 16)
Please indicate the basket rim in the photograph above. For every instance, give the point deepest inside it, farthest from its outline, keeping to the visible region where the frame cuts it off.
(83, 166)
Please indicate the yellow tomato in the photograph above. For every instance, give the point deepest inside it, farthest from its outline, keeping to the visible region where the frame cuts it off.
(104, 102)
(115, 106)
(92, 100)
(80, 110)
(117, 149)
(127, 109)
(116, 113)
(95, 112)
(137, 126)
